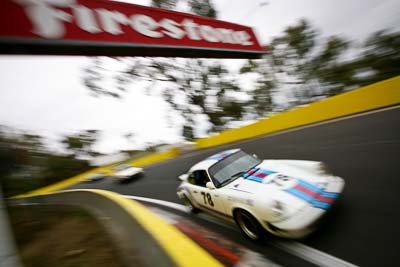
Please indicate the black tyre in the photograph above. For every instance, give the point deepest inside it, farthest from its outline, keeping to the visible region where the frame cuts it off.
(189, 204)
(123, 180)
(249, 225)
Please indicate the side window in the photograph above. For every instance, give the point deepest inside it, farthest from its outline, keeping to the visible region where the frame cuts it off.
(191, 178)
(199, 178)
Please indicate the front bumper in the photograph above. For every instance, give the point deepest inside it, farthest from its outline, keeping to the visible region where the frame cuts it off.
(307, 220)
(298, 226)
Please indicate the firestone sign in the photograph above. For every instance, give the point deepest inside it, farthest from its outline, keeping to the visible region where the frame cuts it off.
(98, 27)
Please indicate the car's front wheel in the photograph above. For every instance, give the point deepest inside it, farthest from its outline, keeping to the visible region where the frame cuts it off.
(249, 225)
(189, 204)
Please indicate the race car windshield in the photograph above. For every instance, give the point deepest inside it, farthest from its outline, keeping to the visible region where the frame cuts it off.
(226, 170)
(122, 167)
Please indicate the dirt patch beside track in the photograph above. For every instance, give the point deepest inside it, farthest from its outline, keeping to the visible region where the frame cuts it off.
(50, 236)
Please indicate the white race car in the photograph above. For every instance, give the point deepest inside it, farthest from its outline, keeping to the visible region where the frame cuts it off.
(285, 197)
(125, 172)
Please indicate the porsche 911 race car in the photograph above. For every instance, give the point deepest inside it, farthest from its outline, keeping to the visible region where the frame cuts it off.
(125, 172)
(285, 197)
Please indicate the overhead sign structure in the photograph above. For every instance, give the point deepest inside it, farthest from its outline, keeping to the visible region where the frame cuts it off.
(99, 27)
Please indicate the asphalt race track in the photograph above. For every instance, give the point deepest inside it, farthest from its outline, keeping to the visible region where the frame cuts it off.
(364, 228)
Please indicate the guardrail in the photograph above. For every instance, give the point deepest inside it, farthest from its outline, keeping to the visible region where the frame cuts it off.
(374, 96)
(134, 229)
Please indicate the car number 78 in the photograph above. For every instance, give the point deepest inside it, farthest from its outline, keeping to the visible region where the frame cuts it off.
(207, 199)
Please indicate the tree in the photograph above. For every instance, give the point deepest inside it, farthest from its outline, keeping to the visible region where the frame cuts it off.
(311, 67)
(190, 86)
(187, 133)
(32, 141)
(25, 163)
(80, 144)
(203, 8)
(166, 4)
(299, 64)
(380, 59)
(333, 75)
(261, 101)
(307, 65)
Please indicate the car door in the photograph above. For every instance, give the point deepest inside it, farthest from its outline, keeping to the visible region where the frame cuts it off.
(204, 197)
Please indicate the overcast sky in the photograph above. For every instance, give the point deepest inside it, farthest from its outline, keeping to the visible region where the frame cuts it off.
(45, 95)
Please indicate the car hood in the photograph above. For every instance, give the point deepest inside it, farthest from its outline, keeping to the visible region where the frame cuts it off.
(128, 171)
(279, 180)
(309, 171)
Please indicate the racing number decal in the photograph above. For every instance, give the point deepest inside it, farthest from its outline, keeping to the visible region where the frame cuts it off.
(283, 177)
(207, 199)
(281, 180)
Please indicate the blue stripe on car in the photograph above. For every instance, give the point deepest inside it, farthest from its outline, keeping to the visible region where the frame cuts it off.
(255, 178)
(300, 194)
(330, 195)
(309, 186)
(321, 205)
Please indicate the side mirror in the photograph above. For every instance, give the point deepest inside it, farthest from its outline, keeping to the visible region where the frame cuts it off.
(210, 185)
(254, 155)
(183, 177)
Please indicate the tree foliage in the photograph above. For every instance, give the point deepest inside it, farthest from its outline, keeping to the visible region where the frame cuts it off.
(190, 86)
(301, 65)
(261, 101)
(381, 57)
(166, 4)
(25, 163)
(203, 8)
(80, 144)
(310, 67)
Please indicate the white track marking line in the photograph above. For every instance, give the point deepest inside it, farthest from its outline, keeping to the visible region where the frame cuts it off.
(292, 247)
(310, 254)
(160, 202)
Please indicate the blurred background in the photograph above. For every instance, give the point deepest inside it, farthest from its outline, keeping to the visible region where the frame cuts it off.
(59, 112)
(61, 116)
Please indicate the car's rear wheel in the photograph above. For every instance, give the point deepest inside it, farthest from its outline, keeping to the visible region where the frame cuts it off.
(122, 180)
(190, 205)
(249, 225)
